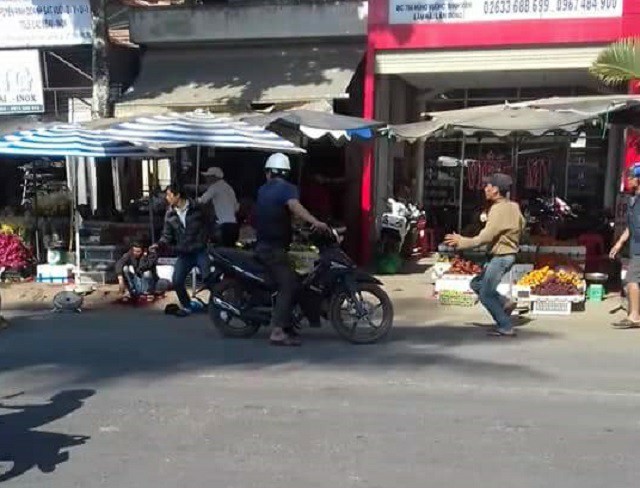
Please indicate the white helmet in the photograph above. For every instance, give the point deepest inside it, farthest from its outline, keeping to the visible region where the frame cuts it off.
(278, 162)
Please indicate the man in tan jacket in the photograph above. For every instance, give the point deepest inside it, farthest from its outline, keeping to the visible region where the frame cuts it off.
(501, 235)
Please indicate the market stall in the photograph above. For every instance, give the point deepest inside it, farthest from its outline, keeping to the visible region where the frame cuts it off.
(72, 142)
(200, 130)
(549, 162)
(330, 172)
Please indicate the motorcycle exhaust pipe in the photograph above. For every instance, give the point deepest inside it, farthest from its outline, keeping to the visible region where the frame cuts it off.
(226, 306)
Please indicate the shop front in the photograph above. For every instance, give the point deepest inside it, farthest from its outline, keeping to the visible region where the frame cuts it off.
(427, 56)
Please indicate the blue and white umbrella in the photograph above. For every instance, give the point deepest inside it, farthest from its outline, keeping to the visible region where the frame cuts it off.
(200, 128)
(72, 141)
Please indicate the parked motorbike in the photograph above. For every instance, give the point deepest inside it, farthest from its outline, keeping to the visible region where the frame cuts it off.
(242, 293)
(400, 222)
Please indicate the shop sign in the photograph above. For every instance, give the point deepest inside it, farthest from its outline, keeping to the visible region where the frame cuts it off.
(20, 82)
(35, 23)
(453, 11)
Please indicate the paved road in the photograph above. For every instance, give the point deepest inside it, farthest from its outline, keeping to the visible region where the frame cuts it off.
(134, 399)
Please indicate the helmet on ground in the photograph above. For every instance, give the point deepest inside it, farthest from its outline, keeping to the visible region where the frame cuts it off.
(278, 163)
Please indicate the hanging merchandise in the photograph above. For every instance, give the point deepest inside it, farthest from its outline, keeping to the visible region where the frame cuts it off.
(478, 170)
(537, 173)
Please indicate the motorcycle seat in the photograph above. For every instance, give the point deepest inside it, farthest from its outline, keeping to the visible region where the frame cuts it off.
(243, 259)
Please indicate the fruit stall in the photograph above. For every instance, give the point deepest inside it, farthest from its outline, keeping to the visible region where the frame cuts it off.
(552, 284)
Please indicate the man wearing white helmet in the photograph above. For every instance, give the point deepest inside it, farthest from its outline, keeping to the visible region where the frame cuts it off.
(277, 201)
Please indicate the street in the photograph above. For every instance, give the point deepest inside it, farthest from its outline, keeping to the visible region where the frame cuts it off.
(134, 398)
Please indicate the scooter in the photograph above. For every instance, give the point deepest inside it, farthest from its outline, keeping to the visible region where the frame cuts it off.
(397, 224)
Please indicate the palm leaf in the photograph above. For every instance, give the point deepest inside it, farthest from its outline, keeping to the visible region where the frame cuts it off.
(618, 63)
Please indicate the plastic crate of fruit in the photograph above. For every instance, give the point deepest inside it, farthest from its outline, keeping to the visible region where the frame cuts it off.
(456, 298)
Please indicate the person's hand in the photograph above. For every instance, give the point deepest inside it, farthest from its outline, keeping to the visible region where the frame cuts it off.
(452, 240)
(121, 288)
(318, 226)
(614, 251)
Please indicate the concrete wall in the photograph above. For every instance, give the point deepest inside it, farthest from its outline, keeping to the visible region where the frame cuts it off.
(246, 22)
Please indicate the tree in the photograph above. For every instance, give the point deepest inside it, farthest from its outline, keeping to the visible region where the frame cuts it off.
(101, 103)
(618, 63)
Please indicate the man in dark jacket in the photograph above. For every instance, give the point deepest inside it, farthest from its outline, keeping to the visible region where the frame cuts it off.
(136, 271)
(185, 229)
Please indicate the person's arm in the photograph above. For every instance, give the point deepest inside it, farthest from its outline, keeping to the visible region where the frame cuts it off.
(208, 195)
(122, 262)
(490, 231)
(618, 245)
(302, 213)
(167, 234)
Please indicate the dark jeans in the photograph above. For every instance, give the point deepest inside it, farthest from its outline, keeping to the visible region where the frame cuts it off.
(283, 274)
(229, 234)
(184, 264)
(486, 287)
(139, 285)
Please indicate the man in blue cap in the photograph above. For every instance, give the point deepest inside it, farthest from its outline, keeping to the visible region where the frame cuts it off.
(631, 234)
(501, 235)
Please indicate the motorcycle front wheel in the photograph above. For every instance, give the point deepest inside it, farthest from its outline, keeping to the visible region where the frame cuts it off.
(369, 324)
(228, 324)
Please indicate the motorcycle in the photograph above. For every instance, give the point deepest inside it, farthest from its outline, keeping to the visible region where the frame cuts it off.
(242, 293)
(399, 222)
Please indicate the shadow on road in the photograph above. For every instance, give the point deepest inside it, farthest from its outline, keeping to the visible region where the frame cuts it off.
(23, 448)
(100, 346)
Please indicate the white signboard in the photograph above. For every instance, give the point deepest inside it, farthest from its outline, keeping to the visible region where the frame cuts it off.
(35, 23)
(21, 82)
(450, 11)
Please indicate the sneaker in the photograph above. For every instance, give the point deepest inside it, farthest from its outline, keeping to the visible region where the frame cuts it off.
(183, 312)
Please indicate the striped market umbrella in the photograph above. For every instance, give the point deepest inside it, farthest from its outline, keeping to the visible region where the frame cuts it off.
(199, 128)
(71, 141)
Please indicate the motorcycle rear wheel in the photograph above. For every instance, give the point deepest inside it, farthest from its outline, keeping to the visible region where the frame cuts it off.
(230, 291)
(349, 331)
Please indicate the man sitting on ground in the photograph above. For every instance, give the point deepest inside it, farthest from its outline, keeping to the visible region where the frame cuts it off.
(136, 271)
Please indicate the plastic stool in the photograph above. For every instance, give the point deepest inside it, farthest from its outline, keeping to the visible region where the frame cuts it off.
(595, 293)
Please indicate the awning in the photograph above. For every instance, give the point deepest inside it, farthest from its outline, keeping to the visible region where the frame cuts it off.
(480, 60)
(535, 118)
(315, 124)
(232, 78)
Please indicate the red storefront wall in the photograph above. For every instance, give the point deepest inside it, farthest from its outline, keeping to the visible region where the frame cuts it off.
(479, 35)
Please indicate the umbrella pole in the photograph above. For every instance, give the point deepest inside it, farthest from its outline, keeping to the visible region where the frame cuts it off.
(151, 188)
(566, 170)
(76, 219)
(35, 209)
(198, 151)
(461, 187)
(516, 154)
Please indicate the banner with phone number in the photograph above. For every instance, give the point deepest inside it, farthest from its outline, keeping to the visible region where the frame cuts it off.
(450, 11)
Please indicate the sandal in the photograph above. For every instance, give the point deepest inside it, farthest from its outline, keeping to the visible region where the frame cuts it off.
(626, 324)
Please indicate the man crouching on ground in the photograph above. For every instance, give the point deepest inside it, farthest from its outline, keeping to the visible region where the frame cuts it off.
(502, 234)
(137, 273)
